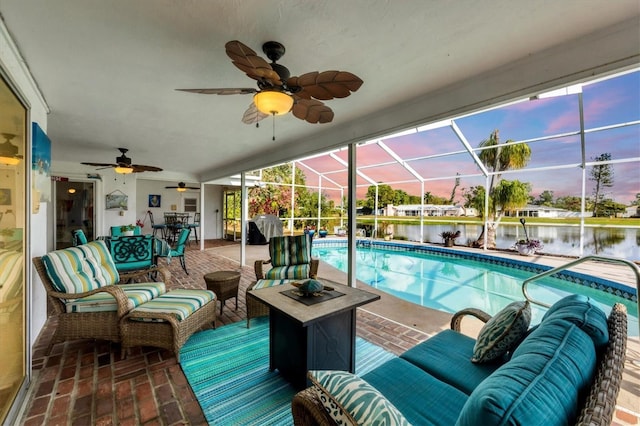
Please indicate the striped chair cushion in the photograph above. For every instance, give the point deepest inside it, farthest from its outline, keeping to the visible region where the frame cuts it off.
(279, 251)
(82, 268)
(137, 294)
(292, 272)
(180, 302)
(11, 265)
(349, 400)
(268, 283)
(300, 250)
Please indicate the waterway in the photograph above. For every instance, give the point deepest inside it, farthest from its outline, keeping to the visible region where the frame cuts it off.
(563, 240)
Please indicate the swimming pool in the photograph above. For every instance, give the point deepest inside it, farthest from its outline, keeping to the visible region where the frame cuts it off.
(448, 280)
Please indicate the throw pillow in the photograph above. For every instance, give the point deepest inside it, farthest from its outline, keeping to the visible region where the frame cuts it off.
(349, 400)
(502, 332)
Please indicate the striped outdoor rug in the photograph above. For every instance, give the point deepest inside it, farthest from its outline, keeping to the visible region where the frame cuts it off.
(228, 370)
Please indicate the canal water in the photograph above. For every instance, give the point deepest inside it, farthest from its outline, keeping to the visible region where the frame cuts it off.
(565, 240)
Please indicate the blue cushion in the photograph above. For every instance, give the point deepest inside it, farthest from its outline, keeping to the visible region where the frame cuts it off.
(542, 382)
(581, 311)
(421, 398)
(456, 349)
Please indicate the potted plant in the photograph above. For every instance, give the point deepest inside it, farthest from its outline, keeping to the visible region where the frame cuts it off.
(127, 229)
(527, 247)
(323, 232)
(449, 237)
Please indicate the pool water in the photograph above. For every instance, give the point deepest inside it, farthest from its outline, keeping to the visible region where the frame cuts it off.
(452, 283)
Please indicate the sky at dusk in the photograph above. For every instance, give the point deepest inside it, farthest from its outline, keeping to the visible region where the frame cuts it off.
(438, 155)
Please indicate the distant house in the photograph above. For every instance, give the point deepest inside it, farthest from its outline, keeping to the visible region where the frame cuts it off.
(632, 211)
(531, 210)
(430, 210)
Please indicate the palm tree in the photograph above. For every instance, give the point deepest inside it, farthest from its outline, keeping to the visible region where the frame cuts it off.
(503, 195)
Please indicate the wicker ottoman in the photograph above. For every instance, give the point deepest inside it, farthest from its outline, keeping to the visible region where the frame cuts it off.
(169, 320)
(224, 284)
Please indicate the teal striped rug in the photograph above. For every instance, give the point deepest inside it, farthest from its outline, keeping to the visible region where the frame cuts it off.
(228, 370)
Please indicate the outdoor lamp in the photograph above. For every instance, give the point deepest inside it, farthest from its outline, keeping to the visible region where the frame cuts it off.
(273, 102)
(123, 170)
(9, 152)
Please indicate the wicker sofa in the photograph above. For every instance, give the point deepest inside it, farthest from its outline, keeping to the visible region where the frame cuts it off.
(83, 291)
(567, 370)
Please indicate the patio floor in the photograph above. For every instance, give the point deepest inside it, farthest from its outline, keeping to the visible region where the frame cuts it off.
(87, 382)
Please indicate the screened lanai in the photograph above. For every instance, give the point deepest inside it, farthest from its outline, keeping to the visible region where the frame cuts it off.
(581, 174)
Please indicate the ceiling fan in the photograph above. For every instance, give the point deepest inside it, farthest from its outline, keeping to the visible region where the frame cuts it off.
(182, 187)
(278, 92)
(123, 165)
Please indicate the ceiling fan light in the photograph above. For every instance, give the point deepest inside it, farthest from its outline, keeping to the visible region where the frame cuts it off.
(123, 170)
(273, 102)
(9, 161)
(181, 189)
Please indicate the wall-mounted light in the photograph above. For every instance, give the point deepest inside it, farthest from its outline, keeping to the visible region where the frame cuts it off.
(71, 190)
(123, 170)
(9, 152)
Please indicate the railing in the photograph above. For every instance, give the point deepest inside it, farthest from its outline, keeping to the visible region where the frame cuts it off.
(604, 259)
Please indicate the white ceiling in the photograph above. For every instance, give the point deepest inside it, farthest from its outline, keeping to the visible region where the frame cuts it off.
(108, 69)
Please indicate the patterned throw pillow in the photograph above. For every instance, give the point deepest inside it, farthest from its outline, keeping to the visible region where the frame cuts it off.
(502, 332)
(349, 400)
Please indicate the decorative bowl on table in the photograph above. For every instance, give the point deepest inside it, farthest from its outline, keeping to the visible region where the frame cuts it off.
(309, 288)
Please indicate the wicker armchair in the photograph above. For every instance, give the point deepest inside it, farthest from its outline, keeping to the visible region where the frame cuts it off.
(256, 309)
(596, 409)
(87, 325)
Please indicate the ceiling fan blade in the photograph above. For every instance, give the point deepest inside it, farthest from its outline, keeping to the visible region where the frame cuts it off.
(250, 63)
(100, 164)
(252, 115)
(138, 168)
(222, 91)
(325, 85)
(311, 111)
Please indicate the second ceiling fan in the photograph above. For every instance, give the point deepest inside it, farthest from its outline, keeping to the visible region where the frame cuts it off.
(182, 187)
(278, 92)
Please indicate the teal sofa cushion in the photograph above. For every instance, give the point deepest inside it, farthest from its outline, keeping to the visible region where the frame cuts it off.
(581, 311)
(541, 384)
(291, 272)
(446, 356)
(421, 398)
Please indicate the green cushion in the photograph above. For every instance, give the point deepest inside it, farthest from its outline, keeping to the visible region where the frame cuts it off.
(291, 272)
(180, 302)
(456, 349)
(279, 251)
(300, 250)
(581, 311)
(268, 283)
(502, 332)
(11, 267)
(81, 268)
(541, 384)
(421, 398)
(137, 294)
(351, 400)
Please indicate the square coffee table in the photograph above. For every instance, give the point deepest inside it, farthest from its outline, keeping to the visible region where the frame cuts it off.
(320, 336)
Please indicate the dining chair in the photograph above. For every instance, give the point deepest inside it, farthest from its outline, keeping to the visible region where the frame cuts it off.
(157, 226)
(78, 237)
(179, 249)
(195, 225)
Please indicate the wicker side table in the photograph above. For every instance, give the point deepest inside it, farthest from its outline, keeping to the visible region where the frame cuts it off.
(224, 284)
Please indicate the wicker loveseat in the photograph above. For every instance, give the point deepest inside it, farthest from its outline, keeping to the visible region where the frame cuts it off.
(290, 258)
(567, 370)
(81, 285)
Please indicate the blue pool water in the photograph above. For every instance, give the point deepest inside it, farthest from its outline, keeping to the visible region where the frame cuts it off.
(440, 279)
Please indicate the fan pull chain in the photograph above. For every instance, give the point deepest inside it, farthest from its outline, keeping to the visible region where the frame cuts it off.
(274, 126)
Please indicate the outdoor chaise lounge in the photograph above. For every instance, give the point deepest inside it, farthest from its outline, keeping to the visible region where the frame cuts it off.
(82, 285)
(566, 370)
